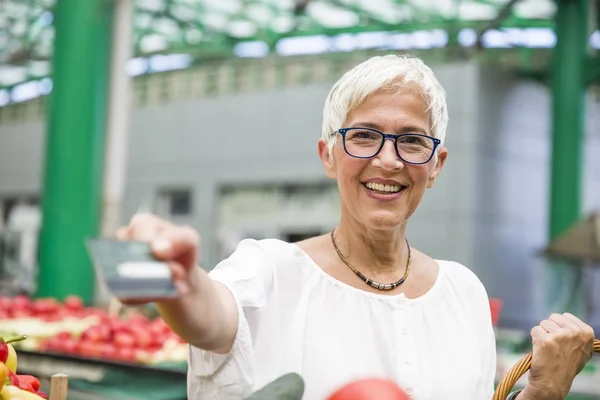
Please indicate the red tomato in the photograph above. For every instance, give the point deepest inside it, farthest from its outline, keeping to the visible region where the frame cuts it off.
(74, 303)
(370, 389)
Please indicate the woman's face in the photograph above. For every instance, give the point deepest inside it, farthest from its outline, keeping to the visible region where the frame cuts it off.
(402, 111)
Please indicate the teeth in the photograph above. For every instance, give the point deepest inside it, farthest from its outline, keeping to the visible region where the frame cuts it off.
(383, 188)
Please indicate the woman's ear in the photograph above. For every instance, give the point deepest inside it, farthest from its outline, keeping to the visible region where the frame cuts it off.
(442, 154)
(327, 158)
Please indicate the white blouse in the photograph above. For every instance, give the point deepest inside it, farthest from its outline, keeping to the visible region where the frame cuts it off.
(294, 317)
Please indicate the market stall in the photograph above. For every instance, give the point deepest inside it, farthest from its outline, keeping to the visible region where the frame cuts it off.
(107, 355)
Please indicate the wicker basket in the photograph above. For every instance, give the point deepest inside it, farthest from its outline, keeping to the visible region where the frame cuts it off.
(516, 372)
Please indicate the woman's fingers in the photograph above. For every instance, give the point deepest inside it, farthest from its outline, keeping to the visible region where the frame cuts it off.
(538, 333)
(550, 326)
(122, 233)
(585, 328)
(175, 243)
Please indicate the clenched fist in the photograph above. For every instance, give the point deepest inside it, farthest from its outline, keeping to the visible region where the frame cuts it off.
(176, 245)
(562, 345)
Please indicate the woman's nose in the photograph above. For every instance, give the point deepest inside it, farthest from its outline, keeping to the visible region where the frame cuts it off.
(387, 157)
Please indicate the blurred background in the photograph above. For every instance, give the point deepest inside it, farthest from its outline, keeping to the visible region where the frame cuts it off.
(207, 112)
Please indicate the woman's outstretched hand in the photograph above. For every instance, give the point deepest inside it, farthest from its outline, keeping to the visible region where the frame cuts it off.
(562, 345)
(176, 245)
(203, 313)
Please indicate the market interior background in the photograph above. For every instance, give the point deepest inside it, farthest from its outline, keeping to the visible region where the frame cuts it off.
(208, 112)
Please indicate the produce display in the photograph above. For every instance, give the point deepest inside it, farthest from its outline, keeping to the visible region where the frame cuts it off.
(12, 385)
(87, 332)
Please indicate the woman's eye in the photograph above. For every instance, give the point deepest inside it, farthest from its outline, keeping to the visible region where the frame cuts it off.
(363, 135)
(413, 140)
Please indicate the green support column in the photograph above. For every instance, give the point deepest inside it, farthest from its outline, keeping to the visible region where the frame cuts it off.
(568, 104)
(72, 184)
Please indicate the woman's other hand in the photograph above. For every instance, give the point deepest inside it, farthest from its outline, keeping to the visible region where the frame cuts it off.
(562, 345)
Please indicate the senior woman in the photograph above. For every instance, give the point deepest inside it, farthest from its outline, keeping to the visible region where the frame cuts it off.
(359, 301)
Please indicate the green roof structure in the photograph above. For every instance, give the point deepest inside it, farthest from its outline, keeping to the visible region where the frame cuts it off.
(176, 34)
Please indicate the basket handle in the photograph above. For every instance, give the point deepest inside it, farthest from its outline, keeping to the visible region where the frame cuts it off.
(515, 373)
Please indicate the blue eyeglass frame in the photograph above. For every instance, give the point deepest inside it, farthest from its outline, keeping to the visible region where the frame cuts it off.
(387, 136)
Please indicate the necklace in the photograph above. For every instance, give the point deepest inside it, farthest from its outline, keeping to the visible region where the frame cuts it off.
(371, 282)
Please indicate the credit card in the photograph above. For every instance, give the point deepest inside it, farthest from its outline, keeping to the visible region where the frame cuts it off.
(129, 270)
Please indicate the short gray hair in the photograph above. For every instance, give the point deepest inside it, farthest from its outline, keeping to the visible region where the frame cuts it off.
(381, 73)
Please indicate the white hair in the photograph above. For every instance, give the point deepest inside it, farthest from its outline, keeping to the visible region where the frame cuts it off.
(383, 73)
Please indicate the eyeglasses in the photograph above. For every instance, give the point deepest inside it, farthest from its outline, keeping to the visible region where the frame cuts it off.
(412, 148)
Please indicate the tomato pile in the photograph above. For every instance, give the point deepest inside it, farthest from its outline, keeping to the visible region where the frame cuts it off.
(89, 332)
(135, 340)
(46, 309)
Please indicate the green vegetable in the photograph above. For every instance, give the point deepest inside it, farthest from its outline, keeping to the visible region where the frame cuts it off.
(287, 387)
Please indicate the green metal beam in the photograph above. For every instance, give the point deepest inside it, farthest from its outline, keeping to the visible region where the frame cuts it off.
(568, 66)
(592, 70)
(74, 147)
(496, 23)
(567, 113)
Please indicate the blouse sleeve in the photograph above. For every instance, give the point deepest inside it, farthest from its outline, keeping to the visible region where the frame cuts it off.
(248, 274)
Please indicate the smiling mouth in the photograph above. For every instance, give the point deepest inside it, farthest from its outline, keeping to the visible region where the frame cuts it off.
(384, 189)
